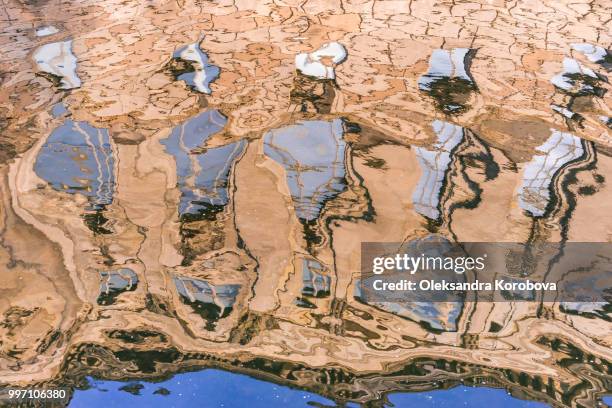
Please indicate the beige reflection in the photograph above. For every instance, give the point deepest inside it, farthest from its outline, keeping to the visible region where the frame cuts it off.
(265, 320)
(51, 259)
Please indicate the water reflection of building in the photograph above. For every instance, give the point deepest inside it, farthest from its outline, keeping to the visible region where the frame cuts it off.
(113, 283)
(314, 83)
(314, 65)
(202, 176)
(594, 53)
(453, 172)
(284, 342)
(203, 179)
(78, 159)
(57, 62)
(434, 164)
(190, 64)
(343, 385)
(211, 302)
(535, 191)
(577, 80)
(553, 182)
(312, 153)
(448, 80)
(310, 94)
(579, 85)
(316, 282)
(484, 343)
(434, 316)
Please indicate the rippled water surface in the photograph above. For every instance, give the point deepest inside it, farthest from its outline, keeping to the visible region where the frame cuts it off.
(185, 187)
(215, 388)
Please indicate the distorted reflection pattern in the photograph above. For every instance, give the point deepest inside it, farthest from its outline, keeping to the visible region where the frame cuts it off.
(577, 80)
(559, 150)
(311, 63)
(448, 80)
(316, 282)
(211, 302)
(58, 63)
(197, 72)
(434, 164)
(437, 316)
(203, 176)
(78, 158)
(113, 283)
(206, 203)
(312, 153)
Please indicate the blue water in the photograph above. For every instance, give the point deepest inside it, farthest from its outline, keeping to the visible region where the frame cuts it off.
(473, 397)
(216, 388)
